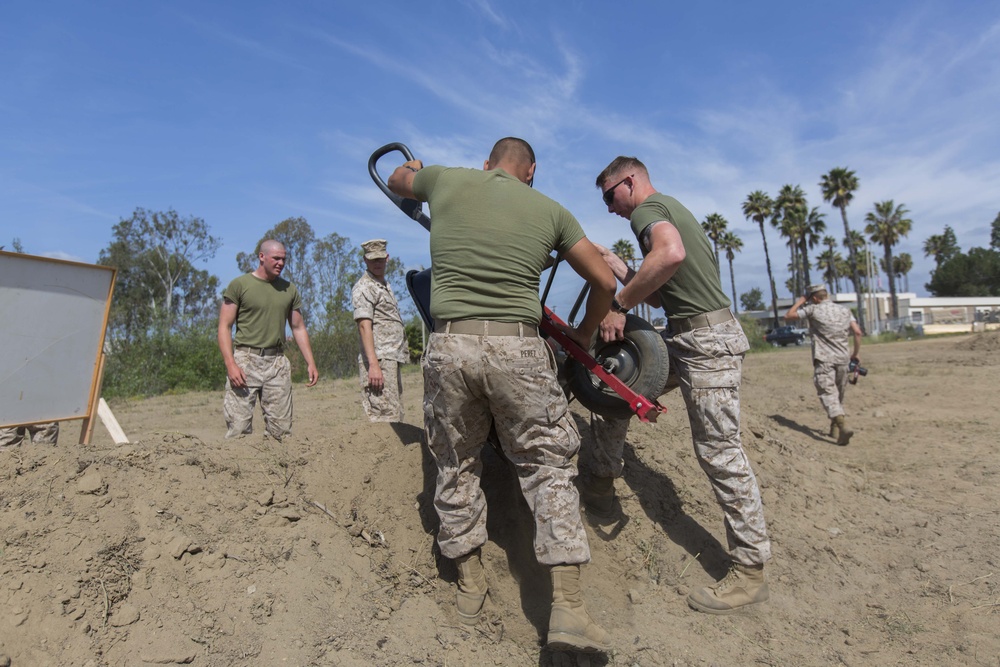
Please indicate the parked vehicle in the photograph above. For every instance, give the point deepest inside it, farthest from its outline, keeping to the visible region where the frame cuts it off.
(786, 335)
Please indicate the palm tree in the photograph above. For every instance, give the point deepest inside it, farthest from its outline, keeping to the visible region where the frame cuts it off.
(789, 218)
(855, 243)
(902, 264)
(835, 259)
(829, 260)
(886, 225)
(838, 188)
(715, 225)
(731, 244)
(812, 228)
(758, 207)
(941, 247)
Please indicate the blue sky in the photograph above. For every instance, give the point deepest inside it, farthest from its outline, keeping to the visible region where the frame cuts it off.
(247, 113)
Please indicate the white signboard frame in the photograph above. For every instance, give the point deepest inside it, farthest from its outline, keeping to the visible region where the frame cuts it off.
(53, 318)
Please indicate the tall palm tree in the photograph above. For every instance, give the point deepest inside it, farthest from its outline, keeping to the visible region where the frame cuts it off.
(831, 247)
(886, 225)
(838, 188)
(759, 207)
(731, 244)
(812, 227)
(789, 218)
(828, 261)
(715, 225)
(902, 264)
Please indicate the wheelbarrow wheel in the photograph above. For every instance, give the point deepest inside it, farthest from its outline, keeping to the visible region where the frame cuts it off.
(640, 361)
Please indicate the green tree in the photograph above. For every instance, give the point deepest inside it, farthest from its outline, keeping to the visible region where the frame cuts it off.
(838, 187)
(974, 274)
(829, 261)
(994, 233)
(715, 225)
(759, 207)
(625, 251)
(157, 283)
(752, 299)
(731, 243)
(886, 225)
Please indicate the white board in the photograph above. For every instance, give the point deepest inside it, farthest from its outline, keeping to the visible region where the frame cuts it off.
(53, 315)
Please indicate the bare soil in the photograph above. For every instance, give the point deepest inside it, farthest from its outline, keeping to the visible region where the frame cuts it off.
(186, 548)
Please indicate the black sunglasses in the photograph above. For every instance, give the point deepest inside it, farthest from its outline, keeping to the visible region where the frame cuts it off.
(609, 194)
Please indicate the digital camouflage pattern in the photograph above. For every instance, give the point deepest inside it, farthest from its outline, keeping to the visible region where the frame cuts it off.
(709, 366)
(375, 301)
(39, 434)
(387, 405)
(472, 382)
(831, 385)
(268, 379)
(830, 329)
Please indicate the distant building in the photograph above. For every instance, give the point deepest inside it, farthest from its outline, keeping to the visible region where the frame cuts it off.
(933, 314)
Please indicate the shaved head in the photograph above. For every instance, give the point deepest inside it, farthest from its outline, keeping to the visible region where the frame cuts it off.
(270, 246)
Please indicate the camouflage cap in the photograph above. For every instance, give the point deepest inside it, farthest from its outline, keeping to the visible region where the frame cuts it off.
(813, 289)
(375, 249)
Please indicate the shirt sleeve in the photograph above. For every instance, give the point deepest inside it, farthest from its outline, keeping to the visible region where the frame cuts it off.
(425, 180)
(364, 306)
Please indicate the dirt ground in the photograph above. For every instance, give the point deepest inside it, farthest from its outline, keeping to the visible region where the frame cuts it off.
(185, 548)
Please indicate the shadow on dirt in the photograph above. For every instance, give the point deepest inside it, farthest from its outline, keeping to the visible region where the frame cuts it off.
(408, 434)
(800, 428)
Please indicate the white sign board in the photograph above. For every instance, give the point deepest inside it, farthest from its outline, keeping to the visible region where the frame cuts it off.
(53, 315)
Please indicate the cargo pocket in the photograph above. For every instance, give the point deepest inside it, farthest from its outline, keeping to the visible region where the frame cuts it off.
(726, 378)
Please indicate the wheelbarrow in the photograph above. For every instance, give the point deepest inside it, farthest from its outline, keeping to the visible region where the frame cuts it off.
(615, 379)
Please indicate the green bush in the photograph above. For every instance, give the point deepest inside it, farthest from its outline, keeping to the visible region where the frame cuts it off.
(164, 363)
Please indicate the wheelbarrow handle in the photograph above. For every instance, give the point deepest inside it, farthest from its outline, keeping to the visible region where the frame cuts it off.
(411, 207)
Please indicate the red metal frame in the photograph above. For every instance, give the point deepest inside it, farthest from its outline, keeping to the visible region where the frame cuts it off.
(645, 409)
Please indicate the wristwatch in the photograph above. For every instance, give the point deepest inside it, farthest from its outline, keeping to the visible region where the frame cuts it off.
(617, 307)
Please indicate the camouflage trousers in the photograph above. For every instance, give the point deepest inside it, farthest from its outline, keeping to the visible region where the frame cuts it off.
(268, 379)
(472, 382)
(602, 453)
(387, 405)
(831, 385)
(709, 365)
(39, 434)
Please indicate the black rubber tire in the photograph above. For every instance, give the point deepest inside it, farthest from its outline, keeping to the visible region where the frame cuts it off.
(642, 364)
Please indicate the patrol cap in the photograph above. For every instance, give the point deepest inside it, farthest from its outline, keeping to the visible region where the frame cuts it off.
(375, 249)
(816, 288)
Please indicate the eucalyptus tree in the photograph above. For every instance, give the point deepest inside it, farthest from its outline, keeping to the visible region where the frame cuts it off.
(838, 187)
(887, 224)
(731, 243)
(759, 207)
(715, 225)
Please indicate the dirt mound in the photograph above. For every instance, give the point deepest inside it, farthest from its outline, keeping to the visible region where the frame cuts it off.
(186, 548)
(988, 341)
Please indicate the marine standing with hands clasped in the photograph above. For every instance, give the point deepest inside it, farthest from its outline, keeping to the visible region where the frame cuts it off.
(706, 345)
(259, 304)
(829, 326)
(485, 364)
(382, 337)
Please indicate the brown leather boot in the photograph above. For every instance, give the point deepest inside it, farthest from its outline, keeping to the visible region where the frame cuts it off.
(472, 587)
(745, 585)
(570, 626)
(843, 433)
(598, 495)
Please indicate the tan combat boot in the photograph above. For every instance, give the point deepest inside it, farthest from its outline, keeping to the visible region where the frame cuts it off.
(843, 433)
(743, 586)
(570, 626)
(834, 429)
(472, 587)
(598, 495)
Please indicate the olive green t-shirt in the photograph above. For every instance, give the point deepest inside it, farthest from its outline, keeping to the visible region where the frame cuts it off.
(490, 237)
(262, 309)
(696, 287)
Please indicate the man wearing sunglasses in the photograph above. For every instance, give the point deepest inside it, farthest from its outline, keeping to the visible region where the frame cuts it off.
(679, 273)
